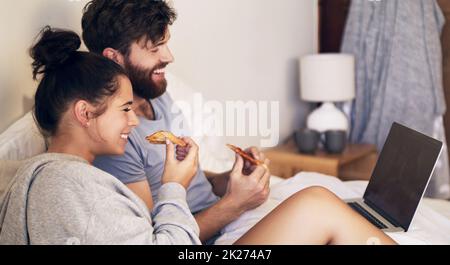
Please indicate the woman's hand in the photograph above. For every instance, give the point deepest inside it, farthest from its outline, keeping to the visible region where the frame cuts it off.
(183, 167)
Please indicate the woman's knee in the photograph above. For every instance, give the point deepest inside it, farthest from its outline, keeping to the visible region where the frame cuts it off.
(316, 191)
(315, 195)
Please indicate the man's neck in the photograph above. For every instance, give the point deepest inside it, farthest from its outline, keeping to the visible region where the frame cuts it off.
(144, 108)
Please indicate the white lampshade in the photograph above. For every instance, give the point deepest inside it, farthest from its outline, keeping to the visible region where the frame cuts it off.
(327, 77)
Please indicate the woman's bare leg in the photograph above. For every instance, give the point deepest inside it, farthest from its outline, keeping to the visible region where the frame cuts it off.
(314, 216)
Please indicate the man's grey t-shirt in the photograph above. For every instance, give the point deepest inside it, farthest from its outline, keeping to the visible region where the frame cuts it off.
(143, 160)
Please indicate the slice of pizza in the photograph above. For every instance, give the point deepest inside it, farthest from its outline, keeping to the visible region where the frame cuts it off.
(161, 136)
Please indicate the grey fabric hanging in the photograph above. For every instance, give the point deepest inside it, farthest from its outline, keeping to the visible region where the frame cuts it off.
(398, 67)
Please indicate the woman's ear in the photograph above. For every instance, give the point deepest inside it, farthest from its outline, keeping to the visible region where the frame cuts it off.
(82, 111)
(114, 55)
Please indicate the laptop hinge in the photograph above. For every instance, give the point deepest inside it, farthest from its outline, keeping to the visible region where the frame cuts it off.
(384, 214)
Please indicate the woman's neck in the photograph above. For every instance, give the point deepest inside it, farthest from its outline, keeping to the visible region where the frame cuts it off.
(71, 146)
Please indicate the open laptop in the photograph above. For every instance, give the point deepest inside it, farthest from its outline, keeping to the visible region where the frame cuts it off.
(399, 180)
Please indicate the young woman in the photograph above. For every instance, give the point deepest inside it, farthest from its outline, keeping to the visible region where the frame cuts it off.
(84, 103)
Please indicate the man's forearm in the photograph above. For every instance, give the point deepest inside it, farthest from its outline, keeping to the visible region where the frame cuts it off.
(213, 219)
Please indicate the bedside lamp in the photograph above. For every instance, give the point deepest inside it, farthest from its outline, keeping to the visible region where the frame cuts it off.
(327, 78)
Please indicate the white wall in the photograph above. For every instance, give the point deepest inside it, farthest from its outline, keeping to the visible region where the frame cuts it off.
(226, 49)
(246, 49)
(20, 22)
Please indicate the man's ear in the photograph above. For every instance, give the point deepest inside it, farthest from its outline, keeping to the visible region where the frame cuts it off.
(82, 112)
(114, 55)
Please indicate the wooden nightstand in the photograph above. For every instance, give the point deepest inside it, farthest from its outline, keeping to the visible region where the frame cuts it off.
(355, 163)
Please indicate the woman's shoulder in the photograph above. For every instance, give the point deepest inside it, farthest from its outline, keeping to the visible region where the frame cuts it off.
(70, 172)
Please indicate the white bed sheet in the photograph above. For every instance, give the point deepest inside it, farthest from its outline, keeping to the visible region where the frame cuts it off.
(428, 226)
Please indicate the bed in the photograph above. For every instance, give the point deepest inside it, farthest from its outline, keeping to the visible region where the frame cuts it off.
(431, 224)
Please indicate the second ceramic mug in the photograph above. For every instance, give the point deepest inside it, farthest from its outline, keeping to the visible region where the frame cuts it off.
(335, 141)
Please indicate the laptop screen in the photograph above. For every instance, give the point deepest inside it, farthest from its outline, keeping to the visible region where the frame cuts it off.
(401, 174)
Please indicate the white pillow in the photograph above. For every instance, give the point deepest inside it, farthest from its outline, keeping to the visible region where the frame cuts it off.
(22, 140)
(8, 170)
(213, 155)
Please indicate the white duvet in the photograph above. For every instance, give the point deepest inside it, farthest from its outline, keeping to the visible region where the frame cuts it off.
(428, 226)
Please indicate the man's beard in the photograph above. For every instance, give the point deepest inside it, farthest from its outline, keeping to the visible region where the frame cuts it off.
(143, 84)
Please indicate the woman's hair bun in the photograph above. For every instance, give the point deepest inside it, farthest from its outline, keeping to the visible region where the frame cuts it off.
(53, 49)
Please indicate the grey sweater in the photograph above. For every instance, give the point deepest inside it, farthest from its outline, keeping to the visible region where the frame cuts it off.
(61, 199)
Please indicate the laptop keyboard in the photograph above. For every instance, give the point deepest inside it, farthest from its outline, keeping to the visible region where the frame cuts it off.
(355, 206)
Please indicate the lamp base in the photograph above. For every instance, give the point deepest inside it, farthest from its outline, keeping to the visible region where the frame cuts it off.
(327, 117)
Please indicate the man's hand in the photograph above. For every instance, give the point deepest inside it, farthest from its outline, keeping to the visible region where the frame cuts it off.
(256, 154)
(219, 181)
(249, 185)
